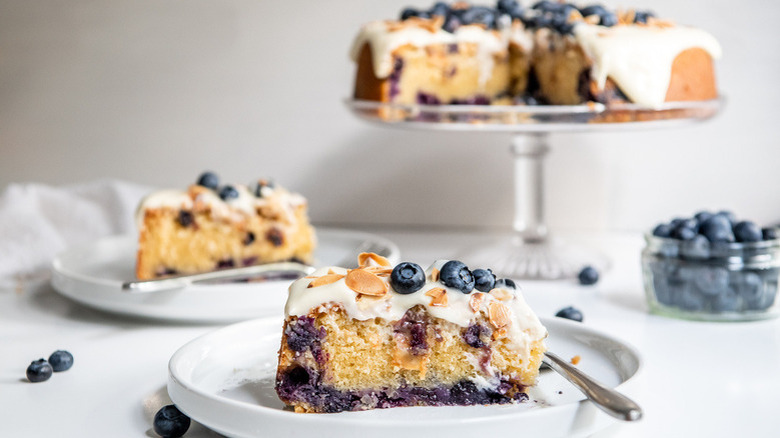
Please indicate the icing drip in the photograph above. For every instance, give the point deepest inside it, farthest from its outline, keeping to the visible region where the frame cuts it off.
(639, 58)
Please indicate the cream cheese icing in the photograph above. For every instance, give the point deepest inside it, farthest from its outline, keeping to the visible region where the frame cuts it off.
(639, 58)
(525, 326)
(236, 208)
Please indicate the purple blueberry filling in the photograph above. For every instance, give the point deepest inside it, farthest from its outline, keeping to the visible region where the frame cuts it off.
(249, 261)
(427, 99)
(395, 77)
(250, 237)
(227, 263)
(299, 385)
(275, 237)
(430, 99)
(301, 334)
(185, 218)
(473, 335)
(413, 326)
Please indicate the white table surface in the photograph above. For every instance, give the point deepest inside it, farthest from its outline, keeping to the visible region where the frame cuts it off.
(699, 379)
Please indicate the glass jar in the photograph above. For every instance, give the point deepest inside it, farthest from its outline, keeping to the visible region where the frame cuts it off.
(699, 280)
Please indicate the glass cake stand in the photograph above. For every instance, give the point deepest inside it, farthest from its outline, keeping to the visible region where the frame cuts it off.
(532, 253)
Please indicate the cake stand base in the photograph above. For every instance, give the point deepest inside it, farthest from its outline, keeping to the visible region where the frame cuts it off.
(545, 260)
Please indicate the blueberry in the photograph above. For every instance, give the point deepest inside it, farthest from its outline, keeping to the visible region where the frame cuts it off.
(593, 10)
(609, 19)
(570, 313)
(170, 422)
(684, 222)
(747, 231)
(588, 276)
(682, 232)
(728, 215)
(690, 300)
(455, 274)
(228, 192)
(662, 230)
(407, 278)
(484, 280)
(412, 12)
(717, 229)
(257, 188)
(702, 216)
(547, 6)
(479, 15)
(39, 371)
(61, 360)
(712, 281)
(729, 301)
(506, 283)
(508, 6)
(769, 233)
(451, 23)
(209, 180)
(642, 16)
(697, 248)
(440, 9)
(185, 218)
(750, 287)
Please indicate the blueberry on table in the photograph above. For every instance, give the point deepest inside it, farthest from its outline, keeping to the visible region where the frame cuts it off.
(662, 230)
(39, 371)
(61, 360)
(588, 276)
(209, 180)
(170, 422)
(717, 229)
(456, 274)
(440, 9)
(484, 280)
(570, 313)
(747, 231)
(407, 278)
(228, 192)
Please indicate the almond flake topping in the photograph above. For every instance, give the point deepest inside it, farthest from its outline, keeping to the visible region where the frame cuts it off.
(498, 315)
(502, 294)
(379, 270)
(475, 302)
(366, 259)
(438, 297)
(366, 283)
(325, 279)
(435, 274)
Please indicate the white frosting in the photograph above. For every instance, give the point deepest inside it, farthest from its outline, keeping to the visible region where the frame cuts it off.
(383, 41)
(235, 209)
(639, 58)
(525, 326)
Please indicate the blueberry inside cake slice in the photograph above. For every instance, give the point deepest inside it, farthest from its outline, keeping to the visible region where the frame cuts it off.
(382, 336)
(211, 226)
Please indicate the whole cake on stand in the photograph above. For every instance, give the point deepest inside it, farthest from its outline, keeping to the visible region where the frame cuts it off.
(532, 71)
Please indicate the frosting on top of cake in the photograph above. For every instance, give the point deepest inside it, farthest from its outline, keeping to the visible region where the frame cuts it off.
(384, 37)
(201, 198)
(639, 58)
(505, 307)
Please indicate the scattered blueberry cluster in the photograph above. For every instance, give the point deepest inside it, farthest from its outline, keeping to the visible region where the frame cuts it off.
(210, 180)
(41, 370)
(170, 422)
(691, 269)
(407, 278)
(549, 14)
(588, 276)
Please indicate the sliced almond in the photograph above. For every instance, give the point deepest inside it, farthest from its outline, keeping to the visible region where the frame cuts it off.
(502, 294)
(592, 19)
(325, 279)
(379, 270)
(475, 302)
(435, 274)
(403, 358)
(575, 360)
(499, 315)
(499, 333)
(438, 297)
(371, 259)
(366, 283)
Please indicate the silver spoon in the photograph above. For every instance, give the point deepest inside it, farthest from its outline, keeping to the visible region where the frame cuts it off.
(609, 400)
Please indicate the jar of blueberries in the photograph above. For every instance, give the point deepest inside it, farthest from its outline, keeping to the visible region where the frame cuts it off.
(712, 267)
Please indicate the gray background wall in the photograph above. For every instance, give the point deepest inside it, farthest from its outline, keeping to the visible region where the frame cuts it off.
(154, 91)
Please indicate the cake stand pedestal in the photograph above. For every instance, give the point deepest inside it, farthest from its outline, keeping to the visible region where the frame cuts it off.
(532, 253)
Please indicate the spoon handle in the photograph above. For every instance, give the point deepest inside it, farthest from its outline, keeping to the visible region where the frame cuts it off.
(609, 400)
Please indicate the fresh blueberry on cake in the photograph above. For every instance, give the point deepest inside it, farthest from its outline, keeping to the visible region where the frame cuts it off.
(382, 336)
(558, 53)
(211, 226)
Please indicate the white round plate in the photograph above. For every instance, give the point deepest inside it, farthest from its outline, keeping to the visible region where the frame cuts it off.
(93, 275)
(225, 381)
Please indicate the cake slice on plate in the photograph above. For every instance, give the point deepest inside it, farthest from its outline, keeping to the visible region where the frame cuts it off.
(211, 226)
(380, 336)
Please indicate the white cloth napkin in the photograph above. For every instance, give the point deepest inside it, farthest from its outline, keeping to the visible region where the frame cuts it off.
(38, 221)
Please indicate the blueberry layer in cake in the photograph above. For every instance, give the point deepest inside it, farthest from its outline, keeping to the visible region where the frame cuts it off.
(550, 53)
(380, 336)
(211, 226)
